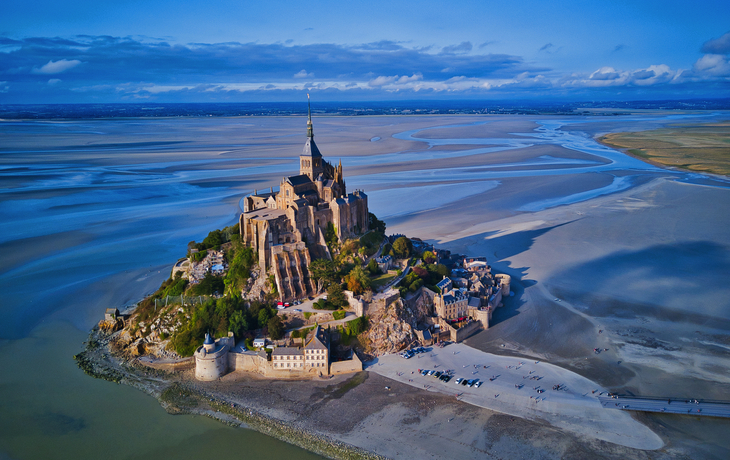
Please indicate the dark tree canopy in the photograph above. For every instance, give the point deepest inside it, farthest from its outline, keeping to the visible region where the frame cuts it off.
(276, 328)
(375, 223)
(402, 247)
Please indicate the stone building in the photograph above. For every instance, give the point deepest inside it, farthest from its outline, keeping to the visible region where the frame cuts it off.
(473, 297)
(283, 226)
(211, 359)
(313, 356)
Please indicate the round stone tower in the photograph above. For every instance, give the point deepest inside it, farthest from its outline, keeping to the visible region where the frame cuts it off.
(504, 281)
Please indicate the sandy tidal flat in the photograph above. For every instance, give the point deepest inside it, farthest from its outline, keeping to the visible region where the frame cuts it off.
(513, 391)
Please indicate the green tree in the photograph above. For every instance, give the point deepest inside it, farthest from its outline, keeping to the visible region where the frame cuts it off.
(402, 247)
(265, 314)
(238, 323)
(357, 281)
(276, 328)
(335, 296)
(373, 267)
(323, 273)
(429, 257)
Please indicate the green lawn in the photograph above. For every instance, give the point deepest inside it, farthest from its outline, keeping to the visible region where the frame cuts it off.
(381, 280)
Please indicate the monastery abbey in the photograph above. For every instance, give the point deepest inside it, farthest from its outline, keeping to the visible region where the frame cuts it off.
(284, 226)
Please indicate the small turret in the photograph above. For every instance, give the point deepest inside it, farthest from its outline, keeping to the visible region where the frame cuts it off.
(209, 343)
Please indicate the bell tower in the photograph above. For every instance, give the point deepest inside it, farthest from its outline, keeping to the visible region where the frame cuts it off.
(310, 161)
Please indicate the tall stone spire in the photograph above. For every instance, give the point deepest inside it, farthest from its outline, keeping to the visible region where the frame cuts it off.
(310, 131)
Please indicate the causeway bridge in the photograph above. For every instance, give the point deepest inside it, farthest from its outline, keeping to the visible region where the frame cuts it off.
(668, 405)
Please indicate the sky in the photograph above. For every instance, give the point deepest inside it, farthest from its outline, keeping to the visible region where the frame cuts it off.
(84, 51)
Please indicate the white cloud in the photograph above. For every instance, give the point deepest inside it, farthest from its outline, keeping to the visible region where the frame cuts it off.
(714, 65)
(395, 80)
(54, 81)
(4, 88)
(54, 67)
(303, 74)
(604, 73)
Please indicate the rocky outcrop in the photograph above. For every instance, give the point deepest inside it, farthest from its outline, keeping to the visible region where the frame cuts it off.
(109, 326)
(390, 329)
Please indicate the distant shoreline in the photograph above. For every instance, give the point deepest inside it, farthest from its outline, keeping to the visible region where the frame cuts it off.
(18, 112)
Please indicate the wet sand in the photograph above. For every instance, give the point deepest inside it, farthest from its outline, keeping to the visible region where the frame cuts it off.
(645, 264)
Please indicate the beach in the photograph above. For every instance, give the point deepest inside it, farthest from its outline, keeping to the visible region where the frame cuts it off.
(603, 249)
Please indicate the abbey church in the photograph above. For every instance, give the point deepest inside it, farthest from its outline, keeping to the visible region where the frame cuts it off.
(283, 226)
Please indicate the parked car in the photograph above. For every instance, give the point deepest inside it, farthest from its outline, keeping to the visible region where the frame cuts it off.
(459, 380)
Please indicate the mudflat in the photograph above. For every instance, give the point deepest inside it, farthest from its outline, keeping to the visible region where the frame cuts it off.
(604, 251)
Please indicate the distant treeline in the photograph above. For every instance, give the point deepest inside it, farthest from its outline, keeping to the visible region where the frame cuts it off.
(437, 107)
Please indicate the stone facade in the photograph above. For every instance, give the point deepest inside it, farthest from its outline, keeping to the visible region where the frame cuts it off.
(474, 295)
(211, 359)
(289, 222)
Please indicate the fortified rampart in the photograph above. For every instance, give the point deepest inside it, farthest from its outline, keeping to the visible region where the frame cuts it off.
(211, 359)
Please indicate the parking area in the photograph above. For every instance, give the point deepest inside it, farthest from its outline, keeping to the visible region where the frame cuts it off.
(521, 387)
(306, 305)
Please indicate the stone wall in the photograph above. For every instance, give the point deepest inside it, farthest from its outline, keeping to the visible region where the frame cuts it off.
(248, 362)
(457, 335)
(346, 367)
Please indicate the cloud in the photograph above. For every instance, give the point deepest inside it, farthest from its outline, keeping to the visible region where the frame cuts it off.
(717, 45)
(619, 47)
(713, 65)
(643, 74)
(59, 66)
(487, 43)
(394, 80)
(303, 74)
(119, 69)
(463, 47)
(604, 73)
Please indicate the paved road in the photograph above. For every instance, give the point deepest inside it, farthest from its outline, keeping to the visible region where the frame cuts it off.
(709, 409)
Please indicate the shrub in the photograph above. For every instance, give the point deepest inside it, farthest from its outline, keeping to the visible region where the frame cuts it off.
(358, 325)
(339, 314)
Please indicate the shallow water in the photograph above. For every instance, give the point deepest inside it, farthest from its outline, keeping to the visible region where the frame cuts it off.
(94, 213)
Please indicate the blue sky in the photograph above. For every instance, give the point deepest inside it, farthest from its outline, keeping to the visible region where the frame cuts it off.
(228, 51)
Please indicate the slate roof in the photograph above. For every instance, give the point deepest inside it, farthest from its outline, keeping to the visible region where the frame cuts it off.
(301, 179)
(286, 351)
(314, 341)
(310, 149)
